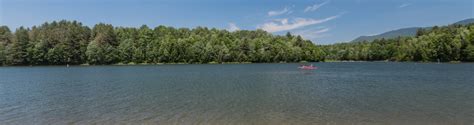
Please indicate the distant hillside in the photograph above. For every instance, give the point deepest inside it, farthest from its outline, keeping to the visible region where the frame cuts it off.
(465, 22)
(391, 34)
(405, 32)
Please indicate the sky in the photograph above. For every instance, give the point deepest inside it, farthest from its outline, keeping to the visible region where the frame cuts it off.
(322, 21)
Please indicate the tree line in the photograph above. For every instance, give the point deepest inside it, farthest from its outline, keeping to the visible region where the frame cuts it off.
(70, 42)
(447, 43)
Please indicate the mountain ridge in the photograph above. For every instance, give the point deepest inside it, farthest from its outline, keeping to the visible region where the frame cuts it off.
(403, 32)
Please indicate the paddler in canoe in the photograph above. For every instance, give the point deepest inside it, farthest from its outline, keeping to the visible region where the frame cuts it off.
(310, 67)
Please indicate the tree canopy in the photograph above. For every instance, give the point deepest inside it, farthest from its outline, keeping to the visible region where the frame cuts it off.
(70, 42)
(448, 43)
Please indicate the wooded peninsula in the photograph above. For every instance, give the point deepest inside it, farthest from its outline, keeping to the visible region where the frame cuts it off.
(70, 42)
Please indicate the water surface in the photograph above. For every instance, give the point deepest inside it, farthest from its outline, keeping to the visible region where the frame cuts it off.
(336, 93)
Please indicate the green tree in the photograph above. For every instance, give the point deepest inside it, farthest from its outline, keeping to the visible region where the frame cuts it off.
(5, 39)
(17, 52)
(101, 50)
(127, 47)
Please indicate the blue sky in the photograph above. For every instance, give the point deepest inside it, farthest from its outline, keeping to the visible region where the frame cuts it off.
(322, 21)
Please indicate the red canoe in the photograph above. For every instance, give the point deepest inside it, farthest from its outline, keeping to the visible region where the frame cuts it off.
(311, 67)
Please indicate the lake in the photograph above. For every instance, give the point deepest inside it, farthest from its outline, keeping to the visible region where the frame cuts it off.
(336, 93)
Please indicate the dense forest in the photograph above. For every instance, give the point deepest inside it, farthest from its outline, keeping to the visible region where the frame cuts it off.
(70, 42)
(445, 44)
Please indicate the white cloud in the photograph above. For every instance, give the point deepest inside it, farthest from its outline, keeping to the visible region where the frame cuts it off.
(286, 10)
(373, 34)
(404, 5)
(315, 6)
(233, 27)
(284, 24)
(312, 34)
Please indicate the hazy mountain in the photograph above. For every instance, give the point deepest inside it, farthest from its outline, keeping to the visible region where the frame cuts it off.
(466, 21)
(402, 32)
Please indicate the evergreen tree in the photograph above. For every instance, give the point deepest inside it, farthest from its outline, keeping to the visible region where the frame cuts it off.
(102, 49)
(5, 39)
(17, 51)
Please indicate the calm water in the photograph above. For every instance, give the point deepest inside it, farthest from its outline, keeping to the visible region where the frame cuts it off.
(337, 93)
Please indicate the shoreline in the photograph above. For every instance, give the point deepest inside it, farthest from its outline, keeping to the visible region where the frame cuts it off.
(215, 63)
